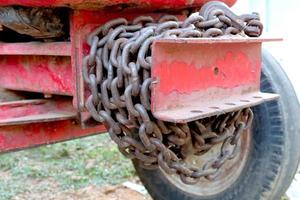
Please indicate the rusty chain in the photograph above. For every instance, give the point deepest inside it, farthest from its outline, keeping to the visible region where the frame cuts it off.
(117, 72)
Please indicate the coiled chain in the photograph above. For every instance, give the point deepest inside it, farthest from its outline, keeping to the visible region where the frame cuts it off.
(117, 72)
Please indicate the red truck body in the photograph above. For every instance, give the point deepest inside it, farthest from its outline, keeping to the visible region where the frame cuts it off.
(55, 70)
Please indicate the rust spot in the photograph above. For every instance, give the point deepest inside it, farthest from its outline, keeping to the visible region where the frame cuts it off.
(216, 71)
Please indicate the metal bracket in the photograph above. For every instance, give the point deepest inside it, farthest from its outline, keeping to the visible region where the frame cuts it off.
(198, 78)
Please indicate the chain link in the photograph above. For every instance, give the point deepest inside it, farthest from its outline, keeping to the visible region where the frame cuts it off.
(117, 73)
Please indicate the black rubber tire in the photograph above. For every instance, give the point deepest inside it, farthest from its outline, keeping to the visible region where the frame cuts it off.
(274, 154)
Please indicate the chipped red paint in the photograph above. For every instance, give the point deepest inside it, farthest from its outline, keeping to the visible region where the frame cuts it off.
(20, 108)
(224, 72)
(197, 78)
(92, 4)
(37, 67)
(31, 135)
(27, 111)
(44, 74)
(36, 48)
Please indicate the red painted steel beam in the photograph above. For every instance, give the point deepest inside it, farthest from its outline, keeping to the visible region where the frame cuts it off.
(37, 67)
(118, 4)
(44, 74)
(37, 110)
(36, 48)
(198, 78)
(31, 135)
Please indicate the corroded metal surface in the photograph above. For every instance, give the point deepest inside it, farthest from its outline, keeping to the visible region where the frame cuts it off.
(117, 72)
(36, 49)
(44, 74)
(36, 111)
(220, 75)
(31, 135)
(228, 174)
(30, 123)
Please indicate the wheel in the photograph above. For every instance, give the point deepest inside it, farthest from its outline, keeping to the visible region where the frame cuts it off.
(269, 154)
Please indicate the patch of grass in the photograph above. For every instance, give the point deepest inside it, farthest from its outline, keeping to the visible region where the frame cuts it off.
(71, 165)
(9, 188)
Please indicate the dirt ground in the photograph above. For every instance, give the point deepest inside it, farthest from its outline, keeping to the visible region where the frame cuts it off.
(115, 192)
(118, 192)
(109, 192)
(86, 169)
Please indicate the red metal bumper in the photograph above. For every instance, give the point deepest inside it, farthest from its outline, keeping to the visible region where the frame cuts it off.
(53, 69)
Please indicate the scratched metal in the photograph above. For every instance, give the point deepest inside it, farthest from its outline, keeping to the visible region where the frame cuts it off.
(117, 72)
